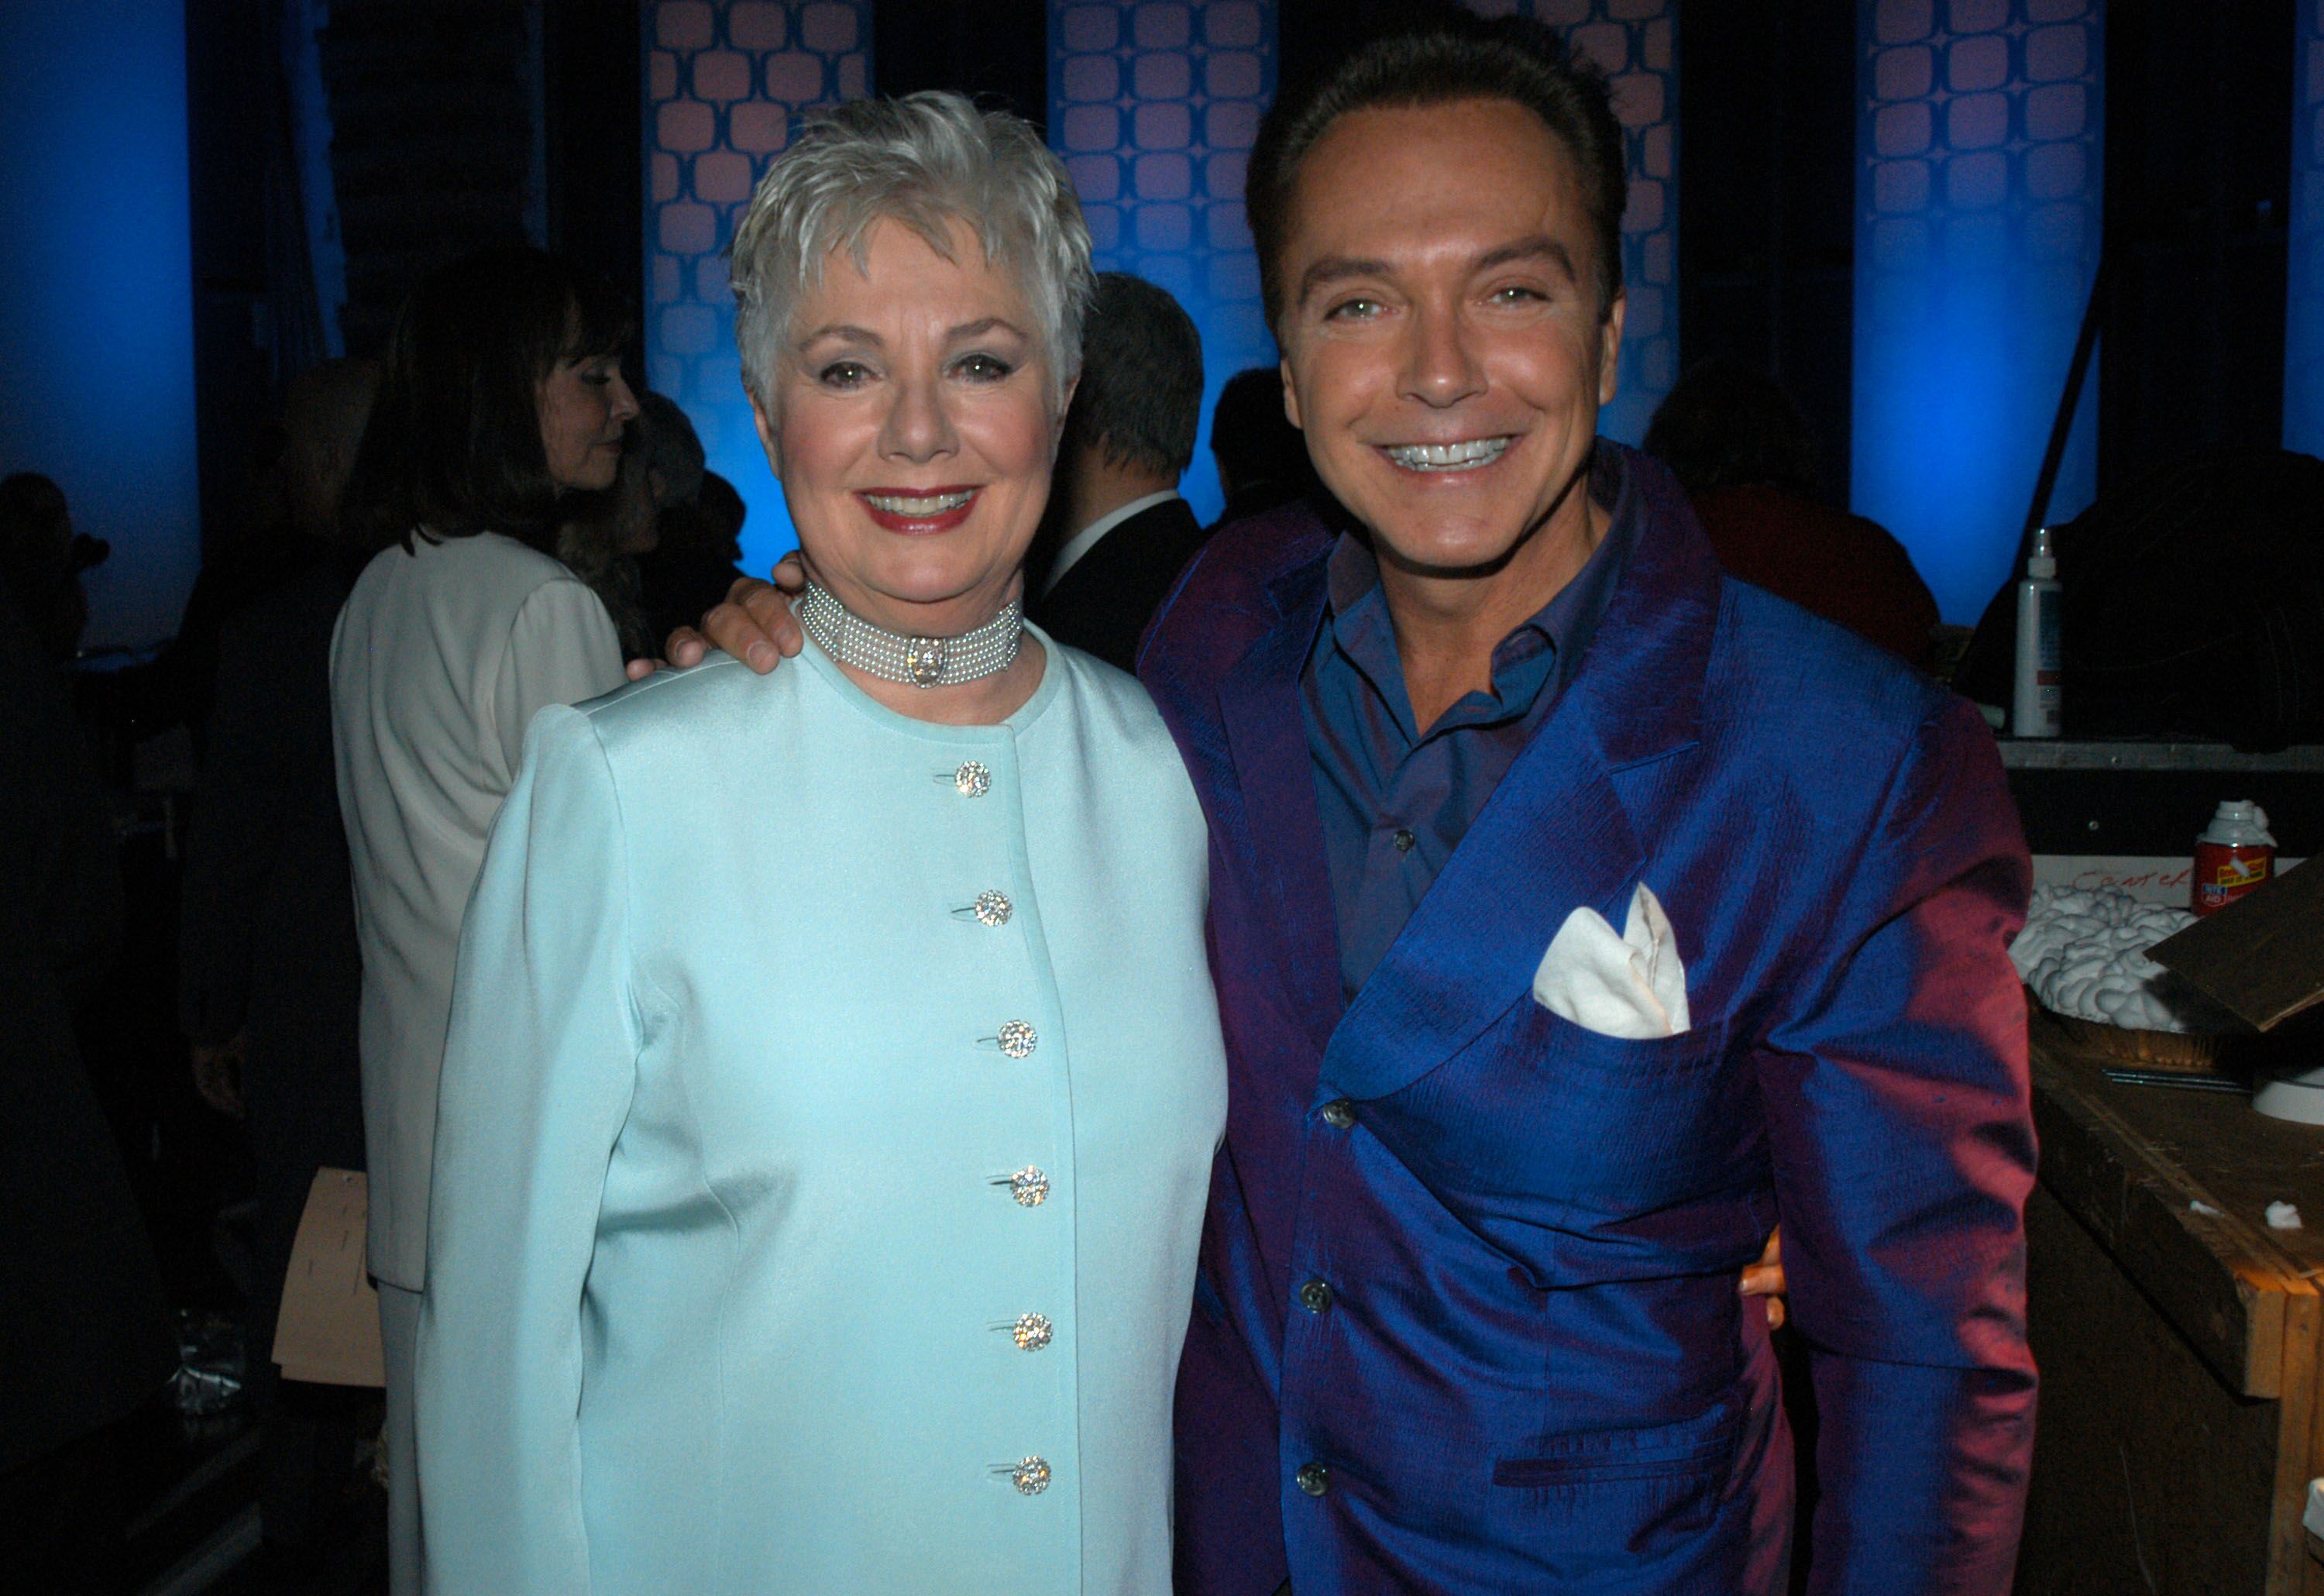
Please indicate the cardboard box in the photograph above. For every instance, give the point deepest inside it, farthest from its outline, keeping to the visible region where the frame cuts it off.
(2262, 957)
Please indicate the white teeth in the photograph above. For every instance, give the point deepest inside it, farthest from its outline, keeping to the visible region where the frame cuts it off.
(918, 504)
(1448, 457)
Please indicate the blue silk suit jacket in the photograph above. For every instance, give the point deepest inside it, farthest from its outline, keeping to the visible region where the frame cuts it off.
(1467, 1317)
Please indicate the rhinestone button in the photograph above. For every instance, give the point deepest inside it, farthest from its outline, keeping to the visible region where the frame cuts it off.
(1315, 1296)
(1017, 1039)
(1313, 1479)
(1404, 840)
(1029, 1186)
(973, 780)
(993, 909)
(1338, 1113)
(1032, 1332)
(1030, 1477)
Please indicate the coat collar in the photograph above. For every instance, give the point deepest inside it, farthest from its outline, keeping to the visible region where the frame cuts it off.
(1553, 836)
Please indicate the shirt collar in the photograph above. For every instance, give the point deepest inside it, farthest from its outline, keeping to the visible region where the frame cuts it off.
(1082, 541)
(1356, 622)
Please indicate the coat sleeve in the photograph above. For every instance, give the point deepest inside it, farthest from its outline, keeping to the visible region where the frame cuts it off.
(1900, 1126)
(539, 1072)
(561, 649)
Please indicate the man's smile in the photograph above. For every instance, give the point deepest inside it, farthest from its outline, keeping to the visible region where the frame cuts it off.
(1447, 457)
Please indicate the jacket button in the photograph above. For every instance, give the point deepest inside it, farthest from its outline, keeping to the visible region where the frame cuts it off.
(1315, 1296)
(1338, 1113)
(1404, 840)
(1313, 1479)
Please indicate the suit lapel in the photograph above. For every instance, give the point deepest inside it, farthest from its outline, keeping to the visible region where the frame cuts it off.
(1258, 701)
(1555, 834)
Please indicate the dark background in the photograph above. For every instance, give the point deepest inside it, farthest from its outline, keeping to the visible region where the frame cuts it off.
(433, 149)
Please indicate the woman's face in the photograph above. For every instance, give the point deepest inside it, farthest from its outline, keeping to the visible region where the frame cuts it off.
(913, 425)
(584, 406)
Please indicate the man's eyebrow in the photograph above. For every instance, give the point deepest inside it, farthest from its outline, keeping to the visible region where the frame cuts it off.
(1539, 247)
(1333, 269)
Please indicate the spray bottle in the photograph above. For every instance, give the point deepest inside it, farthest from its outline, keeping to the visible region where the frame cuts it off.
(2033, 709)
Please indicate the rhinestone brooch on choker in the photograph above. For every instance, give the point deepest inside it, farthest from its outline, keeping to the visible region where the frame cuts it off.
(914, 661)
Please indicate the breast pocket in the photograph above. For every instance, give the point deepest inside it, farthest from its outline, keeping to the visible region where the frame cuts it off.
(1541, 1123)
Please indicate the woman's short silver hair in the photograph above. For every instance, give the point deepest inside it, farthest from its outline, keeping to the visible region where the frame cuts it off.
(925, 161)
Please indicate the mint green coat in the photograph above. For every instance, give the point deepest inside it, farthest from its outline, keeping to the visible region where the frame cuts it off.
(729, 1288)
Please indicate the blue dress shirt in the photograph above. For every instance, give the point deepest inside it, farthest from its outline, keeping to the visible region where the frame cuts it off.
(1396, 800)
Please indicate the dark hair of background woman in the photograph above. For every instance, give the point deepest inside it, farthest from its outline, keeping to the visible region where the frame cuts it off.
(453, 446)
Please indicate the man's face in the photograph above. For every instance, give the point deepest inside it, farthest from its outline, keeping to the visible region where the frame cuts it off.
(1443, 348)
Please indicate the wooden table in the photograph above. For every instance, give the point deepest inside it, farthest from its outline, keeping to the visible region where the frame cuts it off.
(2180, 1339)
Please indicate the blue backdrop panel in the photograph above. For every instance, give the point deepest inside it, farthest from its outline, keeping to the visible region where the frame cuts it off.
(726, 81)
(97, 318)
(2303, 330)
(1153, 106)
(1636, 42)
(1978, 225)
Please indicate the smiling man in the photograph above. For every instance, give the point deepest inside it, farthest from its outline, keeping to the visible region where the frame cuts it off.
(1467, 1318)
(1577, 912)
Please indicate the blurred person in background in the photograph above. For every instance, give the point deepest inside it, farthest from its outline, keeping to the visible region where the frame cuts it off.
(697, 555)
(608, 543)
(1130, 436)
(85, 1334)
(269, 975)
(501, 398)
(1261, 458)
(1743, 451)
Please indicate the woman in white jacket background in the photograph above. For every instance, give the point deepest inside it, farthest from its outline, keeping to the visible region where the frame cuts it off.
(502, 396)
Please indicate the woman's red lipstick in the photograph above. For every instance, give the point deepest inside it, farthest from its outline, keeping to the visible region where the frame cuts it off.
(920, 511)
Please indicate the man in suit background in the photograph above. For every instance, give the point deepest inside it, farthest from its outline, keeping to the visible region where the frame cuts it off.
(1129, 437)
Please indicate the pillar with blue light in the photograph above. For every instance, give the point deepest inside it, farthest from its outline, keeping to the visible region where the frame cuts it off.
(2303, 320)
(1153, 106)
(724, 80)
(97, 310)
(1635, 43)
(1978, 234)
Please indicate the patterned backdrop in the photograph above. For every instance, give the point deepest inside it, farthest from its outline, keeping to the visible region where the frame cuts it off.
(2303, 333)
(1978, 196)
(723, 81)
(1637, 43)
(1153, 106)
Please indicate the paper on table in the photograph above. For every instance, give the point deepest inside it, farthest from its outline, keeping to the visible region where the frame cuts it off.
(328, 1331)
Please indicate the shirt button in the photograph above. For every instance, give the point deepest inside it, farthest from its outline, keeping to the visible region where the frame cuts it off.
(1338, 1113)
(1017, 1039)
(1313, 1479)
(1032, 1332)
(973, 780)
(1404, 840)
(1029, 1476)
(1315, 1296)
(993, 909)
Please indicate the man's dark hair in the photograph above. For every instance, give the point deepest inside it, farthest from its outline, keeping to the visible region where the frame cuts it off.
(1140, 398)
(1446, 58)
(454, 439)
(1725, 424)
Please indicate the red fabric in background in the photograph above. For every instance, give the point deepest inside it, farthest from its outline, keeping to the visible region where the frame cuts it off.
(1838, 566)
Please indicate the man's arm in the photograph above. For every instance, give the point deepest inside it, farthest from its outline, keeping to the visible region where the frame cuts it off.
(1899, 1118)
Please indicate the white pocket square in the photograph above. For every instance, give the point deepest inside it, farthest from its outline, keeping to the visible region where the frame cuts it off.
(1630, 986)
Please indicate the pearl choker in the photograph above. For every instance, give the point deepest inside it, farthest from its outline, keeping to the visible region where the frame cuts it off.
(914, 661)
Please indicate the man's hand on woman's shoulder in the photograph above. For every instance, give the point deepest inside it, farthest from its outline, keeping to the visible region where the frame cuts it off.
(755, 625)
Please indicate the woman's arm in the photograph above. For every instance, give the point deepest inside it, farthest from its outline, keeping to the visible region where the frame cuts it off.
(538, 1076)
(562, 649)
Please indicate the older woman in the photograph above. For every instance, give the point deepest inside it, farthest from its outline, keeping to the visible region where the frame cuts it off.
(845, 1243)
